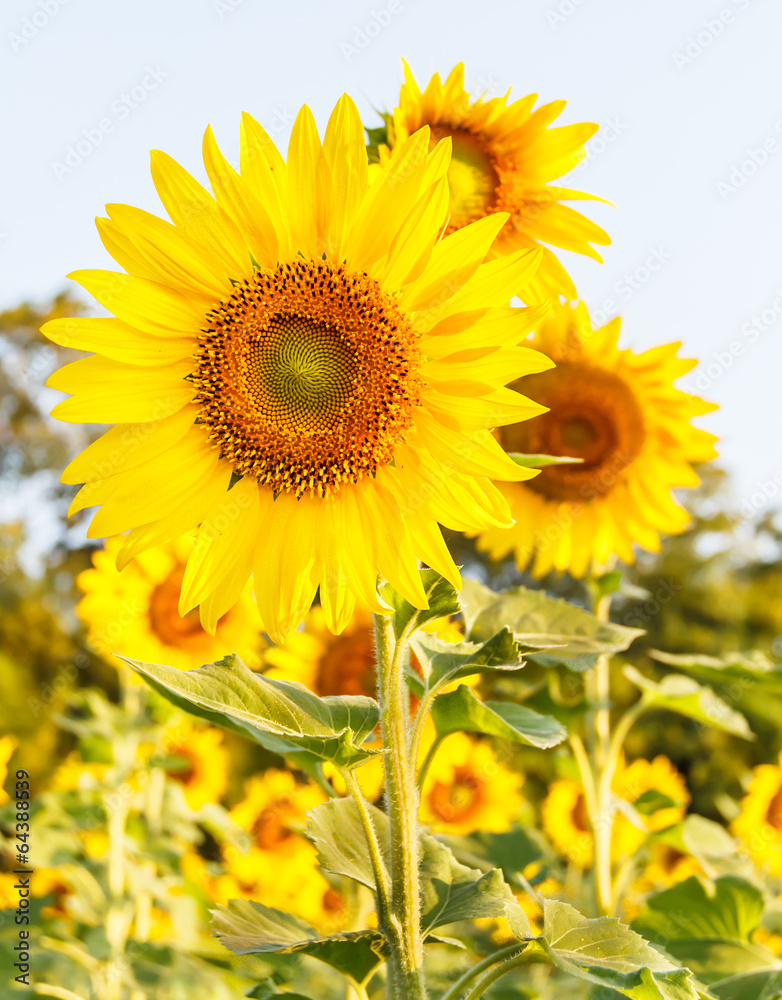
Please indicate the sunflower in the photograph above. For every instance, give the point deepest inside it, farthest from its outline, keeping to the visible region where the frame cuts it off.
(659, 795)
(195, 759)
(656, 790)
(303, 369)
(467, 789)
(566, 822)
(504, 156)
(281, 869)
(7, 747)
(759, 825)
(620, 414)
(134, 612)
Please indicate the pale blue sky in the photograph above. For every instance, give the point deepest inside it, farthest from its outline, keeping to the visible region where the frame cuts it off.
(683, 92)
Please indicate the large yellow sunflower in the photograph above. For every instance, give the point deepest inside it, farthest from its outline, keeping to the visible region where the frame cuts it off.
(302, 368)
(135, 613)
(656, 790)
(468, 789)
(759, 825)
(504, 156)
(196, 760)
(618, 412)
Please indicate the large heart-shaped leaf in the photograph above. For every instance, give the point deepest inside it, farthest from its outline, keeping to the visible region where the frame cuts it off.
(450, 891)
(709, 926)
(609, 954)
(687, 697)
(462, 711)
(228, 694)
(248, 928)
(564, 634)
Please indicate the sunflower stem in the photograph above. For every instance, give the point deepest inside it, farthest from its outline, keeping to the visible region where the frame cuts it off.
(405, 967)
(602, 813)
(532, 953)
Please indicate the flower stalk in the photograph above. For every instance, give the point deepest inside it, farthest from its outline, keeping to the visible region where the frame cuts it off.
(406, 977)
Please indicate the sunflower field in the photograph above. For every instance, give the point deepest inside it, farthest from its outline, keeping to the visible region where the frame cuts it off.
(411, 648)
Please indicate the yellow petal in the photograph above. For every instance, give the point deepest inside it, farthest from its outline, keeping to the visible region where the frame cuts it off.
(127, 446)
(344, 150)
(454, 260)
(236, 198)
(191, 207)
(165, 251)
(154, 489)
(304, 151)
(109, 392)
(182, 518)
(116, 340)
(223, 549)
(147, 305)
(264, 171)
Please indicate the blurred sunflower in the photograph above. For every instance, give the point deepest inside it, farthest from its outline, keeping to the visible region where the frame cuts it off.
(566, 822)
(281, 869)
(134, 612)
(759, 825)
(655, 789)
(7, 747)
(467, 789)
(659, 795)
(504, 156)
(75, 773)
(303, 369)
(195, 759)
(618, 412)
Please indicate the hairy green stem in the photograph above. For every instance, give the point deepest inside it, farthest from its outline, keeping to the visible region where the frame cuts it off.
(406, 977)
(375, 854)
(455, 991)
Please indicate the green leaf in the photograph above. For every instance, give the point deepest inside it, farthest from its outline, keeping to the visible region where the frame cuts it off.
(267, 991)
(753, 666)
(443, 662)
(687, 697)
(462, 711)
(511, 851)
(709, 926)
(335, 830)
(697, 836)
(541, 461)
(563, 633)
(607, 953)
(226, 693)
(442, 596)
(651, 801)
(450, 891)
(248, 928)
